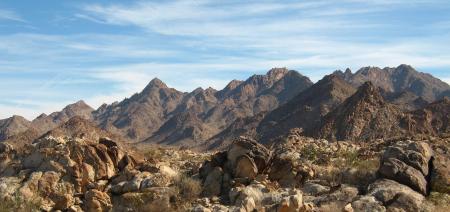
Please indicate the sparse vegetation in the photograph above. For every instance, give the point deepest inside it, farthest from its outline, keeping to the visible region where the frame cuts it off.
(19, 204)
(188, 188)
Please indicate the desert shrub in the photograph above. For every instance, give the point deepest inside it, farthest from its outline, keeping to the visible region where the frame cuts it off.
(188, 188)
(154, 153)
(17, 203)
(315, 154)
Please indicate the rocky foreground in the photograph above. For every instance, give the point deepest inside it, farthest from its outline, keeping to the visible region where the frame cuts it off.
(85, 173)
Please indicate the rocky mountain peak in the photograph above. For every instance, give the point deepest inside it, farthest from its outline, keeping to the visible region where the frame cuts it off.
(155, 83)
(277, 73)
(367, 93)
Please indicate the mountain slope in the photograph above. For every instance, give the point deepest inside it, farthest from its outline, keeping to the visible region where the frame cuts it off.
(363, 116)
(306, 109)
(142, 114)
(403, 78)
(203, 114)
(13, 126)
(44, 122)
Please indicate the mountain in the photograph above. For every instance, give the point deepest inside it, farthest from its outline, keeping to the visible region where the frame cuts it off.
(403, 78)
(163, 115)
(364, 116)
(307, 108)
(13, 126)
(434, 119)
(406, 100)
(139, 116)
(44, 123)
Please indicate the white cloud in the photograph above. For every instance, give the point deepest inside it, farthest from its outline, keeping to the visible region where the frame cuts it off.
(10, 15)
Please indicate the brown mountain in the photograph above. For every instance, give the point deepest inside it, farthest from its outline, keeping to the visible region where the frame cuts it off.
(403, 78)
(307, 108)
(433, 119)
(13, 126)
(139, 116)
(367, 116)
(163, 115)
(44, 123)
(364, 116)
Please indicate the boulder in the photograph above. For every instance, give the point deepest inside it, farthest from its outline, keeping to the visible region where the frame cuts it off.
(397, 170)
(245, 146)
(408, 163)
(367, 204)
(97, 201)
(246, 168)
(213, 183)
(388, 192)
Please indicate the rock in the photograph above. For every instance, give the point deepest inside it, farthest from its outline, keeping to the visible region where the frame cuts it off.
(291, 203)
(62, 201)
(97, 201)
(348, 208)
(397, 170)
(213, 182)
(367, 204)
(246, 168)
(407, 162)
(440, 177)
(315, 189)
(200, 208)
(344, 194)
(245, 146)
(388, 193)
(254, 191)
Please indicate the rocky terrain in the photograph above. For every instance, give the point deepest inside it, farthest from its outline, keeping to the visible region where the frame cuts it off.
(376, 140)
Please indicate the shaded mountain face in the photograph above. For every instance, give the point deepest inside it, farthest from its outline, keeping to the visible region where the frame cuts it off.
(13, 126)
(403, 78)
(365, 115)
(434, 119)
(306, 109)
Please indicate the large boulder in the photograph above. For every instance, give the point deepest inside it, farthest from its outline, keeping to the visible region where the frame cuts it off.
(395, 196)
(408, 163)
(242, 146)
(399, 171)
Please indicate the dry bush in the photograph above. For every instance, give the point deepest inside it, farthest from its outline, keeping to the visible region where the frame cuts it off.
(17, 203)
(188, 188)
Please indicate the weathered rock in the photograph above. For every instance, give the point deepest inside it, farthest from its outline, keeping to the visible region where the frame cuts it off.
(213, 182)
(246, 168)
(244, 146)
(388, 192)
(440, 177)
(97, 201)
(367, 204)
(315, 189)
(397, 170)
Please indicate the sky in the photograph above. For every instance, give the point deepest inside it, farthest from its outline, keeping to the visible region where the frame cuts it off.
(55, 52)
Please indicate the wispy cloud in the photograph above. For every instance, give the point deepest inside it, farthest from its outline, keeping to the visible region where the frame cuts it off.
(10, 15)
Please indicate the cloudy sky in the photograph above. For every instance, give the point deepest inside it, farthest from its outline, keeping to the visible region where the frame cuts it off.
(55, 52)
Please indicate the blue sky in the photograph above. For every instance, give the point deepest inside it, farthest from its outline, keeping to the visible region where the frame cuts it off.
(55, 52)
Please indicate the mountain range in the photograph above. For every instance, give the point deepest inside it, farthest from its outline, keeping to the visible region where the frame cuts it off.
(368, 104)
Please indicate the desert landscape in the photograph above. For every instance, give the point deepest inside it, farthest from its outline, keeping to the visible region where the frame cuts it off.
(365, 141)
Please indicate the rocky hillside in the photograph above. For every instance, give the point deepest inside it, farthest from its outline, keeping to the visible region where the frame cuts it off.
(365, 116)
(13, 126)
(307, 108)
(80, 167)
